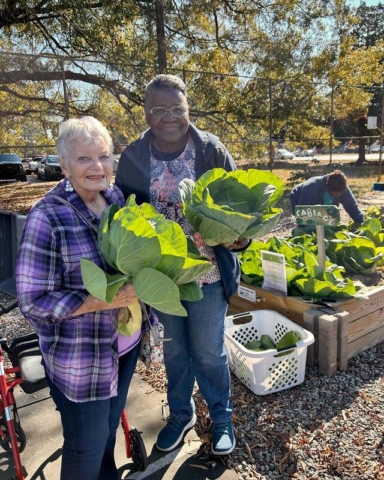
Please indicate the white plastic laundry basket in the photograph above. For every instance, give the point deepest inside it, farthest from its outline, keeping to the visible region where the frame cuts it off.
(268, 371)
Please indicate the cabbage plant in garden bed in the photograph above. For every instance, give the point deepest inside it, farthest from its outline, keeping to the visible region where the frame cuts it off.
(349, 251)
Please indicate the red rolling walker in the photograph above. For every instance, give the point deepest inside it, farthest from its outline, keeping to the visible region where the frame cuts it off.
(28, 372)
(12, 436)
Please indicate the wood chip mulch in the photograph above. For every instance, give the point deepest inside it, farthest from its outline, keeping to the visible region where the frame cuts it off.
(325, 428)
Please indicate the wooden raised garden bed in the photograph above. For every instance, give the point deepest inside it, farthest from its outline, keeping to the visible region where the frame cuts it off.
(341, 332)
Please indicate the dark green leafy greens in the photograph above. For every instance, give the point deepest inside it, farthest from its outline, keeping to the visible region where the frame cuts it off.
(289, 339)
(350, 249)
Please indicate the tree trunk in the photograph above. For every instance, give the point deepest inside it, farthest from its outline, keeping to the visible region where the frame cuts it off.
(361, 160)
(160, 35)
(362, 129)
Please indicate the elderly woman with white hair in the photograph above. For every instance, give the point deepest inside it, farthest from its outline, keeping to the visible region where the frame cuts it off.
(88, 364)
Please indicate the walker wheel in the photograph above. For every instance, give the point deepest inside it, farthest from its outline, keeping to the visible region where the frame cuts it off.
(17, 477)
(139, 454)
(5, 440)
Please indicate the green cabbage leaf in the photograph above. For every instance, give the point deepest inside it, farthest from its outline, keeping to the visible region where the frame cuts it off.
(225, 206)
(151, 252)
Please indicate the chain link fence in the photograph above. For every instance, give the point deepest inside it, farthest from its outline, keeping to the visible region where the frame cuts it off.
(254, 117)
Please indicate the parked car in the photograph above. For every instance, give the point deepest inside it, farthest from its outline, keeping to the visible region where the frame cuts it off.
(49, 168)
(284, 154)
(304, 153)
(352, 149)
(347, 147)
(26, 165)
(11, 168)
(33, 164)
(375, 148)
(30, 163)
(116, 163)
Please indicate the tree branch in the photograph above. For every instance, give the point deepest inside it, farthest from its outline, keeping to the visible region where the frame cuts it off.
(112, 86)
(11, 14)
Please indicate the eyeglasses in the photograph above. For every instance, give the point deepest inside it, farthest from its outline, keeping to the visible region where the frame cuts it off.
(160, 112)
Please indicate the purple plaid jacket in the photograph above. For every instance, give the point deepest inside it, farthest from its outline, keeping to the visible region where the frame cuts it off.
(80, 352)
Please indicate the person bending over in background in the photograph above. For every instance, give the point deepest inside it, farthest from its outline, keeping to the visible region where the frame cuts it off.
(88, 365)
(331, 189)
(171, 150)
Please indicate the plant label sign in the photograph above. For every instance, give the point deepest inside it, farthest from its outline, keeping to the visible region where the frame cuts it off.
(327, 215)
(246, 293)
(275, 277)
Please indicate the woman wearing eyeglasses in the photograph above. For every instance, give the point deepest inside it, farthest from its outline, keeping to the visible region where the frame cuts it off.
(152, 167)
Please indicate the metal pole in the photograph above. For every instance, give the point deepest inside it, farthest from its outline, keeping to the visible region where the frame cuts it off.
(65, 90)
(381, 131)
(331, 126)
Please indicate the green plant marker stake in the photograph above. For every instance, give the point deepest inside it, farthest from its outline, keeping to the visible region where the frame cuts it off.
(320, 246)
(318, 215)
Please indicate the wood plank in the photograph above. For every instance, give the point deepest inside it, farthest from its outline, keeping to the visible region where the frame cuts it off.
(365, 342)
(270, 301)
(291, 307)
(239, 307)
(365, 325)
(358, 308)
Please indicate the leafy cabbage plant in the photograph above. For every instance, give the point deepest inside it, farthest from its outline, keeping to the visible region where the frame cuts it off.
(349, 250)
(360, 250)
(304, 276)
(224, 206)
(357, 254)
(151, 252)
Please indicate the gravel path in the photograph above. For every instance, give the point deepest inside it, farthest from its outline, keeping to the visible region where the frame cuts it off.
(325, 428)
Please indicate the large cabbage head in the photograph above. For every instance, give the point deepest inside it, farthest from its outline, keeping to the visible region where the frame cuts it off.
(224, 206)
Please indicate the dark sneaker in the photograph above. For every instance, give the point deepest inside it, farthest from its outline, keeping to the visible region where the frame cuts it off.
(223, 439)
(171, 435)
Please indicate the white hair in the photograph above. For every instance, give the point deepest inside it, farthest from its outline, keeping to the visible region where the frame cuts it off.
(87, 129)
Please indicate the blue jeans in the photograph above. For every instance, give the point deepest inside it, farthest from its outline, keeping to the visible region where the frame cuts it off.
(89, 428)
(197, 351)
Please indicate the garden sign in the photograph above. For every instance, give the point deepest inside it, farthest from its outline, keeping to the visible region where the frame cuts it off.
(318, 215)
